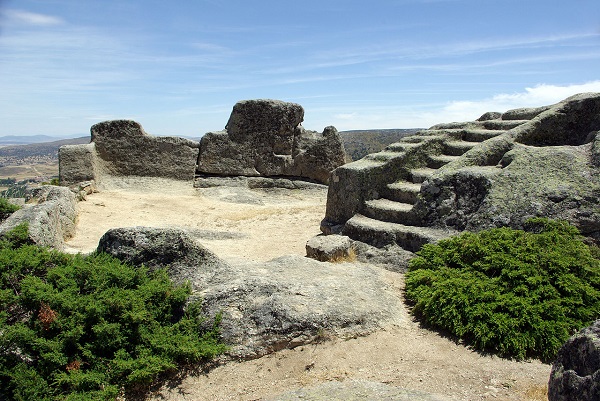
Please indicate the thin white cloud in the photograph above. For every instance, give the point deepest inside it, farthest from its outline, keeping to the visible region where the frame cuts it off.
(539, 95)
(403, 51)
(30, 18)
(426, 115)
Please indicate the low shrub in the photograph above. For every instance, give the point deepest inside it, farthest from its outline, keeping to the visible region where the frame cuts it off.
(90, 328)
(515, 293)
(6, 208)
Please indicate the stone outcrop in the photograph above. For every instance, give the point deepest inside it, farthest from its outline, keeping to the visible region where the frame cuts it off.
(576, 371)
(123, 148)
(77, 163)
(50, 213)
(263, 138)
(330, 248)
(185, 259)
(267, 306)
(497, 171)
(266, 138)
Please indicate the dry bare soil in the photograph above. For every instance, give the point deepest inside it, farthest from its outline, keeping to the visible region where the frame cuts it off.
(242, 224)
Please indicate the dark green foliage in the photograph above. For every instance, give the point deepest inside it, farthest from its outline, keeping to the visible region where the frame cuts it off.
(6, 208)
(15, 191)
(515, 293)
(89, 328)
(8, 181)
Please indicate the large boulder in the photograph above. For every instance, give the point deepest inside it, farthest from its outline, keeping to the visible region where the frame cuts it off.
(126, 149)
(266, 138)
(77, 163)
(576, 371)
(176, 250)
(268, 306)
(123, 148)
(50, 213)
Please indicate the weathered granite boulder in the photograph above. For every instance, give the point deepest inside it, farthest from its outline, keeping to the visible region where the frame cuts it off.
(162, 247)
(339, 248)
(50, 212)
(490, 115)
(126, 149)
(330, 248)
(268, 306)
(266, 138)
(123, 148)
(77, 163)
(576, 371)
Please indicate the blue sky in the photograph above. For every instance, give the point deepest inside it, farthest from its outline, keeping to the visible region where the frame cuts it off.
(179, 67)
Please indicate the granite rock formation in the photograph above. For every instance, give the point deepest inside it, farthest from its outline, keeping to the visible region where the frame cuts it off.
(576, 371)
(266, 138)
(50, 213)
(123, 148)
(497, 171)
(283, 303)
(263, 138)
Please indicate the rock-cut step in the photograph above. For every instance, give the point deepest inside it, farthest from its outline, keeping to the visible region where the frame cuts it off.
(458, 148)
(403, 191)
(382, 233)
(420, 175)
(389, 210)
(437, 161)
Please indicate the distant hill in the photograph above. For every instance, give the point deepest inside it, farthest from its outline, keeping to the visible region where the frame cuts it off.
(45, 149)
(359, 143)
(29, 139)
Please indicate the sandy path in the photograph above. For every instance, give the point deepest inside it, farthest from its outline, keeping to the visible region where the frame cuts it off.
(263, 224)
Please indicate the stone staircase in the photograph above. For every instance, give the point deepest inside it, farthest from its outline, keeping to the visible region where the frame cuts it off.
(387, 217)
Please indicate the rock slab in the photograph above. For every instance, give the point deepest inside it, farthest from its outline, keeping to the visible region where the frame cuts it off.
(355, 390)
(265, 138)
(122, 148)
(50, 211)
(283, 303)
(576, 371)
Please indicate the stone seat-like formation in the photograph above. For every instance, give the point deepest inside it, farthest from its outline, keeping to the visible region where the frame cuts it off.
(497, 171)
(266, 138)
(123, 148)
(262, 138)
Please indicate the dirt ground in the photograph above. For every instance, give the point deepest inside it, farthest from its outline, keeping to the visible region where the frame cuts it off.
(242, 224)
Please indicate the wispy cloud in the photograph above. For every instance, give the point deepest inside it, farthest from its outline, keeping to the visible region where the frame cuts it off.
(403, 51)
(539, 95)
(426, 115)
(29, 18)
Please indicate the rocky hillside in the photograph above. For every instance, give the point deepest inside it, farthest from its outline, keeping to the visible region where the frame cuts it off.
(47, 150)
(359, 143)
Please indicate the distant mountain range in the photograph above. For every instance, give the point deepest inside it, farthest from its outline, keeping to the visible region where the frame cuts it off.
(43, 149)
(29, 139)
(358, 143)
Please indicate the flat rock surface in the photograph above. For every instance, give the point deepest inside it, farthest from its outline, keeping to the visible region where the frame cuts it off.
(352, 390)
(402, 355)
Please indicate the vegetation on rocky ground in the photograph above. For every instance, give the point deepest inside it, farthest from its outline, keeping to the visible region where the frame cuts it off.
(78, 327)
(514, 293)
(6, 208)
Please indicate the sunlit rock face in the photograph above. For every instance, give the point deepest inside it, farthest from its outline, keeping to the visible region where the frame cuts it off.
(266, 138)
